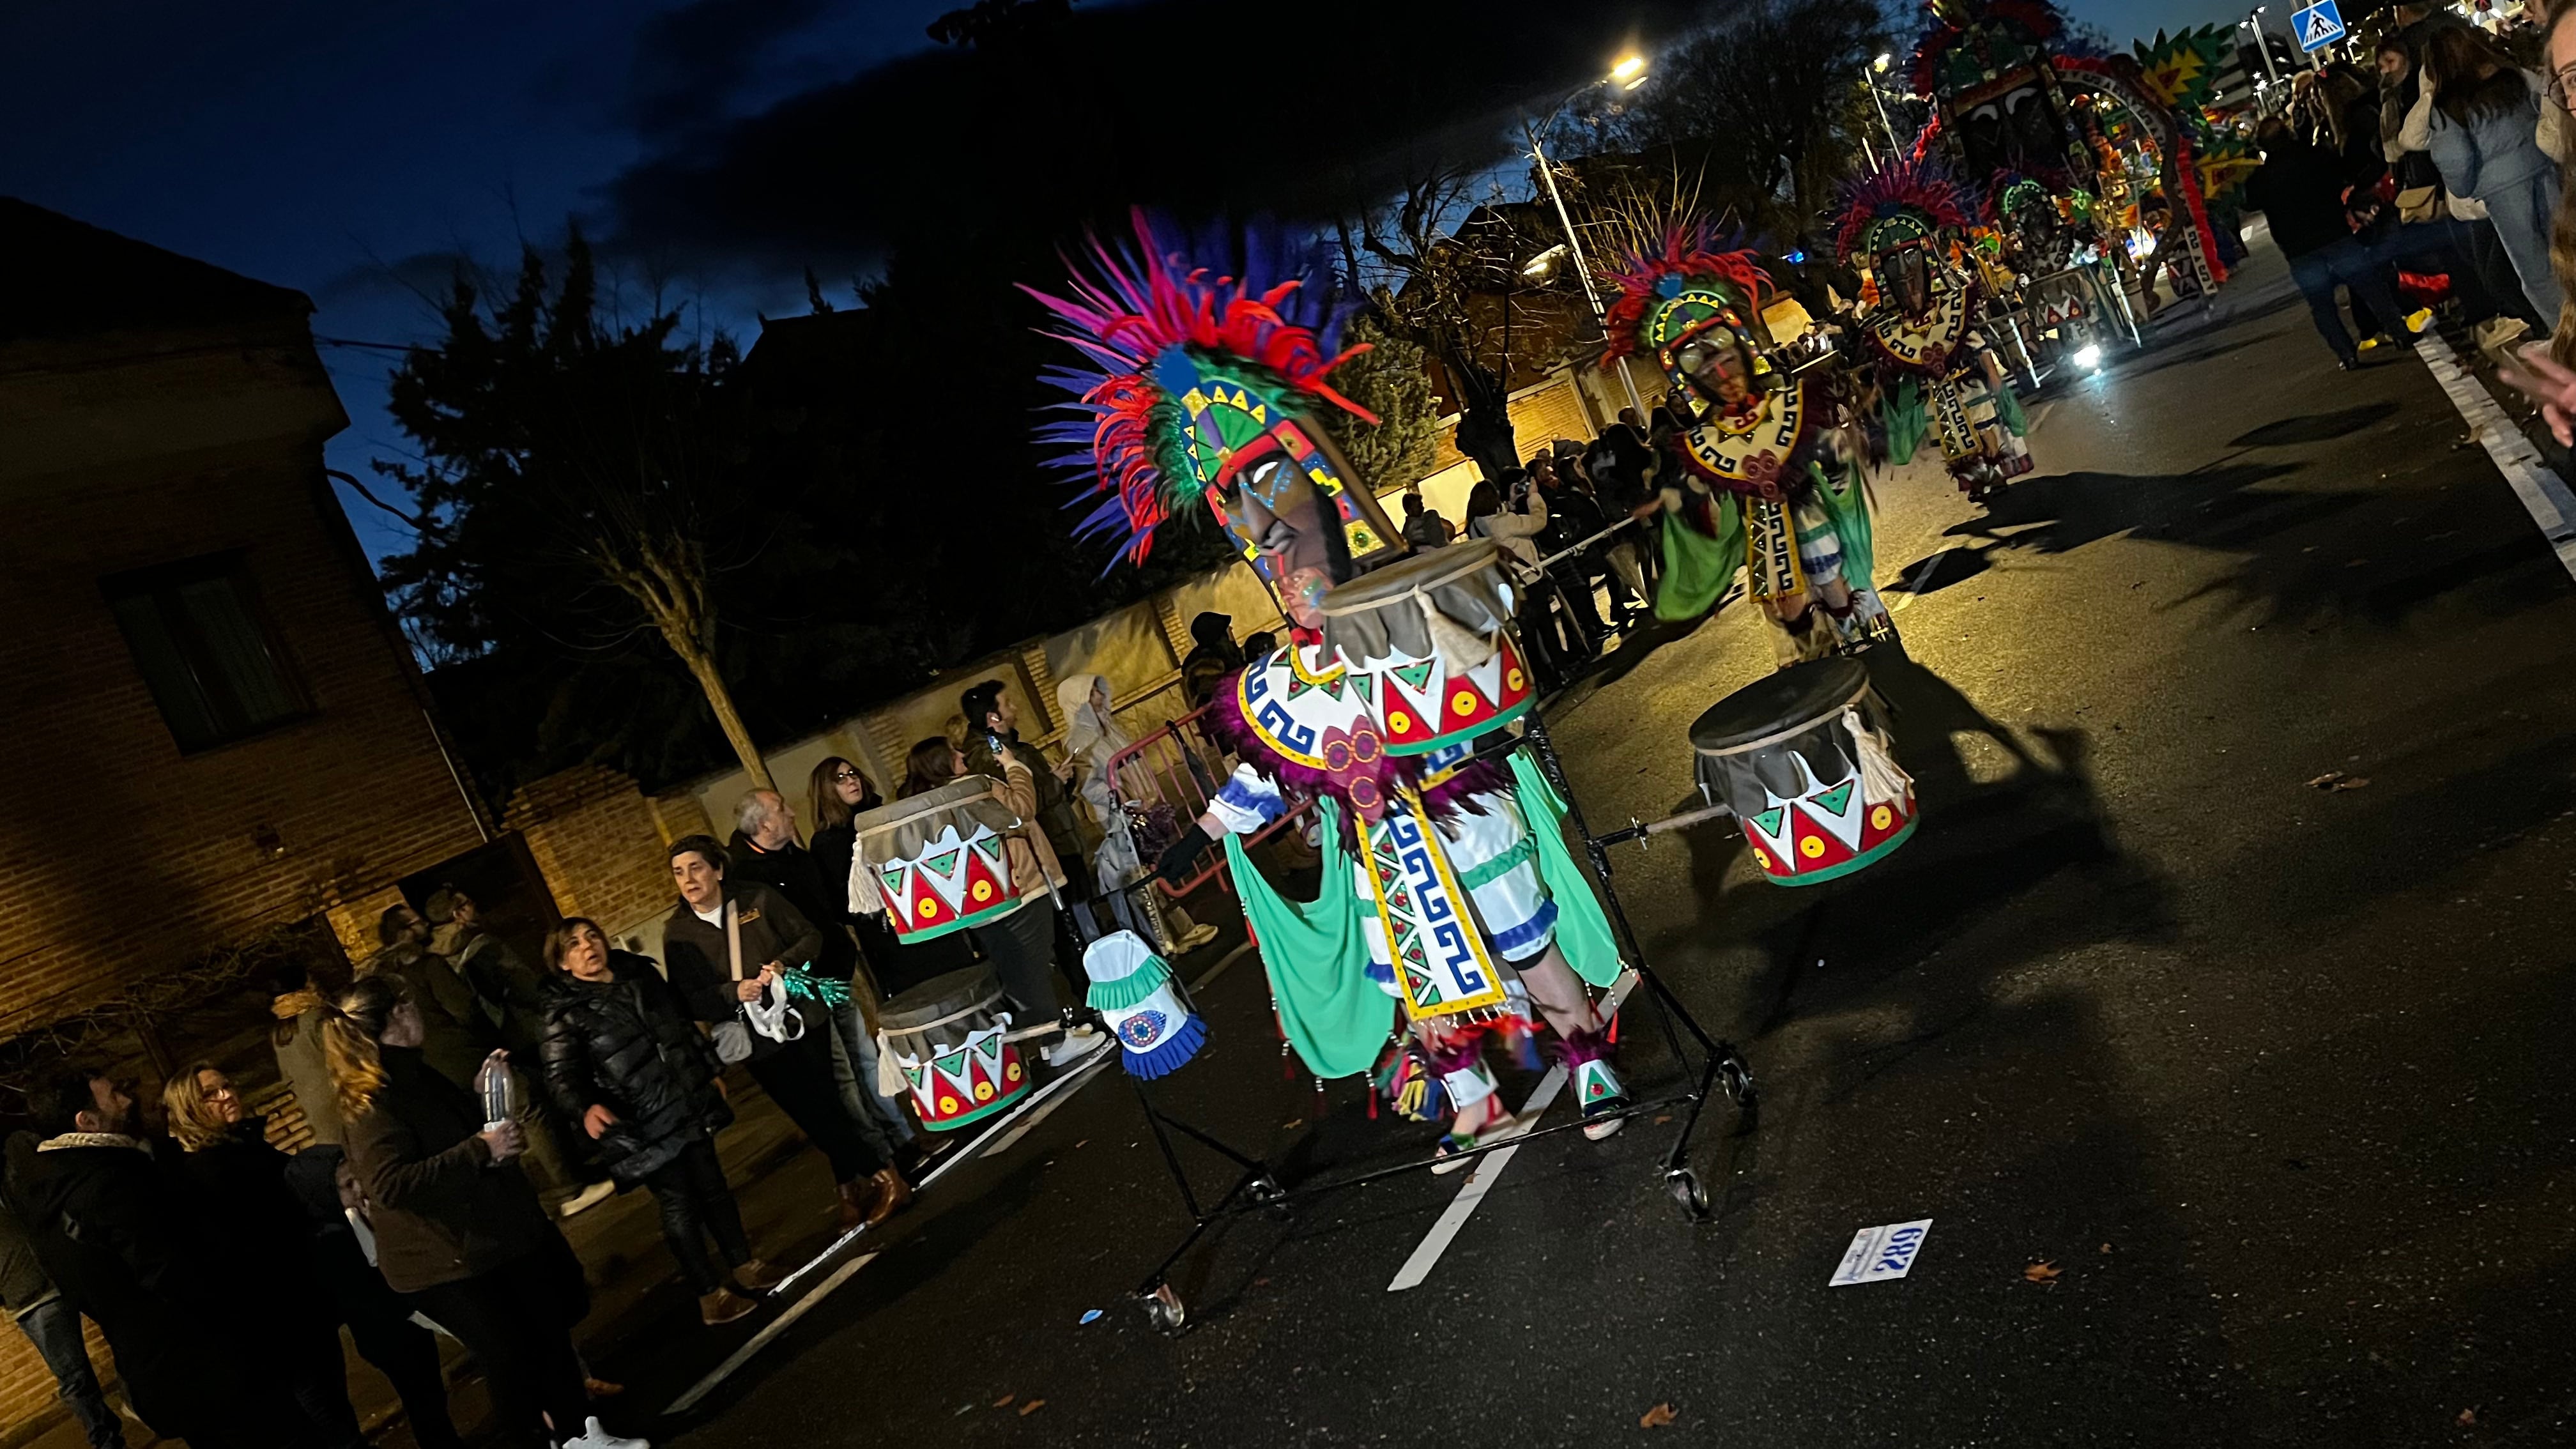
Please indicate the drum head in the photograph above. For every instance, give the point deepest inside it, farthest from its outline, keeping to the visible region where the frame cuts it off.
(1425, 570)
(942, 996)
(929, 802)
(1784, 701)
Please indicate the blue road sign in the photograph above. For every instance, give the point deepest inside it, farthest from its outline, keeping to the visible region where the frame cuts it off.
(2318, 25)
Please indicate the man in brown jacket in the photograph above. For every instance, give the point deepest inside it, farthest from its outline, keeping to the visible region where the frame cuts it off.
(729, 943)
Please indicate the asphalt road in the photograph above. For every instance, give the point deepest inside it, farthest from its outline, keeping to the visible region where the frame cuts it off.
(2272, 1078)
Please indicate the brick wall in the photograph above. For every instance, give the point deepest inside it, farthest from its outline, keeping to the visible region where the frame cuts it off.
(119, 855)
(596, 838)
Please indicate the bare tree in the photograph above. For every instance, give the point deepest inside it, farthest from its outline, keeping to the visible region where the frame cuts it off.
(575, 474)
(1433, 262)
(1774, 103)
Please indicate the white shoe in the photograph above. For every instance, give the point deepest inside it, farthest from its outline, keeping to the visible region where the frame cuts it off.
(1078, 1043)
(1199, 935)
(595, 1437)
(589, 1197)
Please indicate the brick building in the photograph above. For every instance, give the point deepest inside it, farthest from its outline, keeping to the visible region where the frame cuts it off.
(214, 728)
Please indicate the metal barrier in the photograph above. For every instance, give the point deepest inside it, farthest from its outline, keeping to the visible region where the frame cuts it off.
(1182, 766)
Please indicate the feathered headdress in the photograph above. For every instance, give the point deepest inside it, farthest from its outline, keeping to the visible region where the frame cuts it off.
(1649, 282)
(1189, 373)
(1913, 197)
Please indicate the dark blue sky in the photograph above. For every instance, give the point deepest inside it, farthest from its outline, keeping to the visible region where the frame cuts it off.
(354, 150)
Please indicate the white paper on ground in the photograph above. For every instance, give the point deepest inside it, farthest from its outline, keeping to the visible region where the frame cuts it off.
(1877, 1254)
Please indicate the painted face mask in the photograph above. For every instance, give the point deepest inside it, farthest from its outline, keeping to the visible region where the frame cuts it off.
(1697, 312)
(1212, 392)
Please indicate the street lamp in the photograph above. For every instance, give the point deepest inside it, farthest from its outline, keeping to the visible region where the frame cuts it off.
(1628, 74)
(1876, 99)
(2263, 45)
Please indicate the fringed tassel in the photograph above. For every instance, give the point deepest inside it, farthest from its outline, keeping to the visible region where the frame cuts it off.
(1172, 1053)
(1881, 782)
(1577, 1047)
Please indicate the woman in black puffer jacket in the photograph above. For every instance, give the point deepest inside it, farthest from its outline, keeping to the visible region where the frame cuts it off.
(624, 1060)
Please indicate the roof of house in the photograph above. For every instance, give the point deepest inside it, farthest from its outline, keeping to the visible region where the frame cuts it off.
(66, 278)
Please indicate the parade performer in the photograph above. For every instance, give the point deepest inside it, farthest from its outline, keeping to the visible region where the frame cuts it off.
(1934, 372)
(1766, 476)
(1447, 884)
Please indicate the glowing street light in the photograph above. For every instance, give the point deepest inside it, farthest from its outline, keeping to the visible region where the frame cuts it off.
(1881, 64)
(1628, 73)
(1544, 262)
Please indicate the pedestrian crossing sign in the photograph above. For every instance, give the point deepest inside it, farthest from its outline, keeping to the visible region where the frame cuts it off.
(2318, 25)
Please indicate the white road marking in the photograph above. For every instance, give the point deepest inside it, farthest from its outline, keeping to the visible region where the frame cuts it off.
(762, 1339)
(1029, 1116)
(2543, 493)
(1489, 1168)
(1000, 1137)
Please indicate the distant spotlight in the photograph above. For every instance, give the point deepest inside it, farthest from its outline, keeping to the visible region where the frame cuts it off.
(1540, 265)
(1629, 67)
(1883, 62)
(1632, 85)
(2089, 358)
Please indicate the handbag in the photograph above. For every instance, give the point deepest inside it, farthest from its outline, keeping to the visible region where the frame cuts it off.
(2419, 204)
(733, 1037)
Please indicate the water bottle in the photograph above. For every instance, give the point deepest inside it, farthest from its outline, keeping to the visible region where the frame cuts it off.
(500, 1093)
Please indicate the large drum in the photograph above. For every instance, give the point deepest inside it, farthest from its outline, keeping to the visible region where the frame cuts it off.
(945, 1037)
(936, 860)
(1804, 761)
(1431, 639)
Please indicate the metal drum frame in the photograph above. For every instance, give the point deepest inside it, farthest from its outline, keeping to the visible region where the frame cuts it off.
(1711, 1066)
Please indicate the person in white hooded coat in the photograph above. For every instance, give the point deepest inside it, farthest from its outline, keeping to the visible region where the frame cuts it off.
(1093, 741)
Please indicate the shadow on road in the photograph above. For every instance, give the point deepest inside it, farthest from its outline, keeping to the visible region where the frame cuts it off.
(1984, 844)
(2316, 427)
(2218, 507)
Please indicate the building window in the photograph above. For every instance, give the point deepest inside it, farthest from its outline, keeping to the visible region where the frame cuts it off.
(205, 648)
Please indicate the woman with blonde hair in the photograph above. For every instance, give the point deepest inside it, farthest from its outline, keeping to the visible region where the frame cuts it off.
(457, 1224)
(251, 1212)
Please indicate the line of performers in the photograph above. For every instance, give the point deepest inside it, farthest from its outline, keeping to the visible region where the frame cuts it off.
(1451, 910)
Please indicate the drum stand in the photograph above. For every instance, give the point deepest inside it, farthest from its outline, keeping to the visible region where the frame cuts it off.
(1720, 1068)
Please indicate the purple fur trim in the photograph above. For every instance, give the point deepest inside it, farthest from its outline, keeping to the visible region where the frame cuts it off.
(1575, 1048)
(1455, 796)
(1466, 1053)
(1452, 798)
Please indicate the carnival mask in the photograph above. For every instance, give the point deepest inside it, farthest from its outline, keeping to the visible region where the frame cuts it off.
(2017, 130)
(1302, 547)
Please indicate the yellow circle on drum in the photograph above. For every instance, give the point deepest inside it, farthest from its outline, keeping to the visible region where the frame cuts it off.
(1881, 818)
(982, 892)
(1462, 703)
(1760, 859)
(983, 1091)
(1398, 723)
(1012, 1072)
(1515, 681)
(1811, 847)
(929, 908)
(947, 1105)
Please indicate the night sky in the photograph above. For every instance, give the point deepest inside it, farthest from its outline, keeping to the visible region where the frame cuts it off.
(355, 152)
